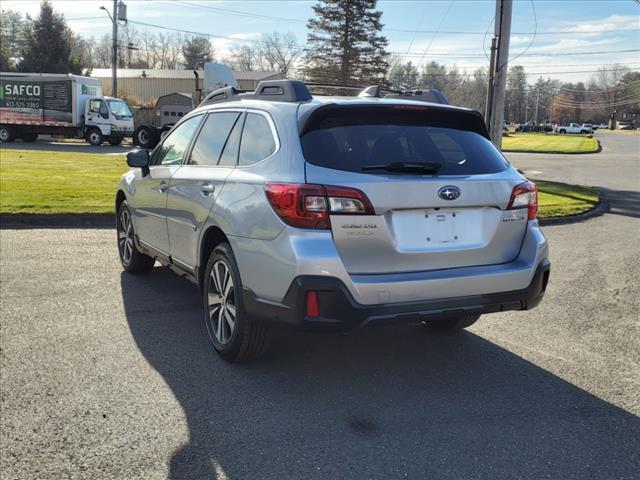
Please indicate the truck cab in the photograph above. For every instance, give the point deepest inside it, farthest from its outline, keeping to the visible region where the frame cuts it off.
(107, 118)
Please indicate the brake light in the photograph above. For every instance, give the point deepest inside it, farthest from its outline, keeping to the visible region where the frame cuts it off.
(306, 205)
(525, 195)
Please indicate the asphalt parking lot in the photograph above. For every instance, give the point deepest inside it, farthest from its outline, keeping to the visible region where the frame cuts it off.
(105, 375)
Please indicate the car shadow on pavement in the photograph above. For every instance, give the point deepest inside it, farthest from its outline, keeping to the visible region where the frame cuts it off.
(623, 202)
(380, 403)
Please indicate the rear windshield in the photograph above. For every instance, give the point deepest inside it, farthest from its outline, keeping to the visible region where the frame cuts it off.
(345, 141)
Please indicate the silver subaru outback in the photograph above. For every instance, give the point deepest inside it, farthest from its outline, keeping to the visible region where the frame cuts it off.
(329, 213)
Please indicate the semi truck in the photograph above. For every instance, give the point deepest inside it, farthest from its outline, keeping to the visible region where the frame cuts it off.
(60, 104)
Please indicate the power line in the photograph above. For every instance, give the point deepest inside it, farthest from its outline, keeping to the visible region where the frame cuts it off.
(619, 87)
(438, 54)
(434, 34)
(528, 73)
(533, 38)
(244, 13)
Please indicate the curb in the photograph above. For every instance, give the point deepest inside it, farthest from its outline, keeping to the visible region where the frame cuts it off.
(598, 150)
(65, 220)
(599, 209)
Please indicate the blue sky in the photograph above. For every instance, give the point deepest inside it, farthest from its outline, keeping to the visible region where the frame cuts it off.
(600, 25)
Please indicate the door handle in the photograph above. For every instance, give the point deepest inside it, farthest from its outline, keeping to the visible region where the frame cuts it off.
(163, 187)
(207, 189)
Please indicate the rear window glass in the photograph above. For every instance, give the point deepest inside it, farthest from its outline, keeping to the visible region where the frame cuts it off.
(352, 142)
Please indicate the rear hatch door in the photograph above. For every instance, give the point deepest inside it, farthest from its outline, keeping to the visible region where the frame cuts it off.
(424, 220)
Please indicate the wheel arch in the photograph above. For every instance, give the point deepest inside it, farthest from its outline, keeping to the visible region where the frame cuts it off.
(120, 197)
(212, 237)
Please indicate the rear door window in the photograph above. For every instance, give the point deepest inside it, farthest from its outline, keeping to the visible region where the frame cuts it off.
(212, 138)
(346, 141)
(258, 142)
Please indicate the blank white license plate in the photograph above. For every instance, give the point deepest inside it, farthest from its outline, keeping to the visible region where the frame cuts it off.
(439, 227)
(417, 229)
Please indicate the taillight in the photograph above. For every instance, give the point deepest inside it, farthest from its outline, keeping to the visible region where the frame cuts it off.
(525, 195)
(306, 205)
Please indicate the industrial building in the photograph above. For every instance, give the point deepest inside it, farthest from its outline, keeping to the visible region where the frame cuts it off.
(147, 84)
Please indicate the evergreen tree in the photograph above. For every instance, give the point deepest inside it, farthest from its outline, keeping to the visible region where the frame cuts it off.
(346, 46)
(48, 44)
(402, 76)
(434, 75)
(196, 51)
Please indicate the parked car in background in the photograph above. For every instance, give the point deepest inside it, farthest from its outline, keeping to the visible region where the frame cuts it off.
(545, 127)
(602, 125)
(527, 127)
(588, 126)
(332, 213)
(572, 128)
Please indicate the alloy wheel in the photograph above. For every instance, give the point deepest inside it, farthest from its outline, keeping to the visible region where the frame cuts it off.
(221, 302)
(125, 236)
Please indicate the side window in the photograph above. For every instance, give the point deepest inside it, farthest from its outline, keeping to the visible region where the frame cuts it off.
(212, 138)
(104, 112)
(176, 143)
(94, 106)
(257, 140)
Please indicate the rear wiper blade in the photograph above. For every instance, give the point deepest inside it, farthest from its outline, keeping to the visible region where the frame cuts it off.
(417, 167)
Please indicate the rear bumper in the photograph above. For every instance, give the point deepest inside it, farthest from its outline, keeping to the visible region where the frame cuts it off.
(339, 311)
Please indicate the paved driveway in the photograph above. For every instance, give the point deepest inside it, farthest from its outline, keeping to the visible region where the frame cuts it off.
(107, 375)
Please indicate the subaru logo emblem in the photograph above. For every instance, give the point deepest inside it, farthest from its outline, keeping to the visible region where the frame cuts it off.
(449, 192)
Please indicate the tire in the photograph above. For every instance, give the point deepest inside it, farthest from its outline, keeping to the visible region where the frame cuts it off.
(115, 140)
(132, 260)
(562, 131)
(583, 132)
(164, 131)
(145, 137)
(94, 137)
(234, 335)
(454, 324)
(29, 137)
(6, 134)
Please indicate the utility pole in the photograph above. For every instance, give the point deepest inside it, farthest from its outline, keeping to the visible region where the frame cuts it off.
(492, 66)
(537, 102)
(114, 51)
(498, 87)
(119, 14)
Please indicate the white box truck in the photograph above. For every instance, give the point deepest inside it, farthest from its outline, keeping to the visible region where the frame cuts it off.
(59, 104)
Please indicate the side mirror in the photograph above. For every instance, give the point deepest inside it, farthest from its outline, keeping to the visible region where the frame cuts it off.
(138, 158)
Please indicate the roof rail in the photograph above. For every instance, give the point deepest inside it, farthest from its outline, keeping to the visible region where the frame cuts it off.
(427, 95)
(273, 90)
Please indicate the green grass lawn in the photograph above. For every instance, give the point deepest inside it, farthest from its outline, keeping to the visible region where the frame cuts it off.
(56, 182)
(560, 199)
(551, 143)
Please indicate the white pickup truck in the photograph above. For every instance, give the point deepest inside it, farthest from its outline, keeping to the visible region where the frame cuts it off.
(573, 128)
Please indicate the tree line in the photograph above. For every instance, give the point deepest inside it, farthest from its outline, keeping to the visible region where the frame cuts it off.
(344, 46)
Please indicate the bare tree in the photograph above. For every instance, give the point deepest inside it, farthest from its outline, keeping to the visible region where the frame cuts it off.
(102, 52)
(149, 46)
(245, 58)
(174, 51)
(280, 51)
